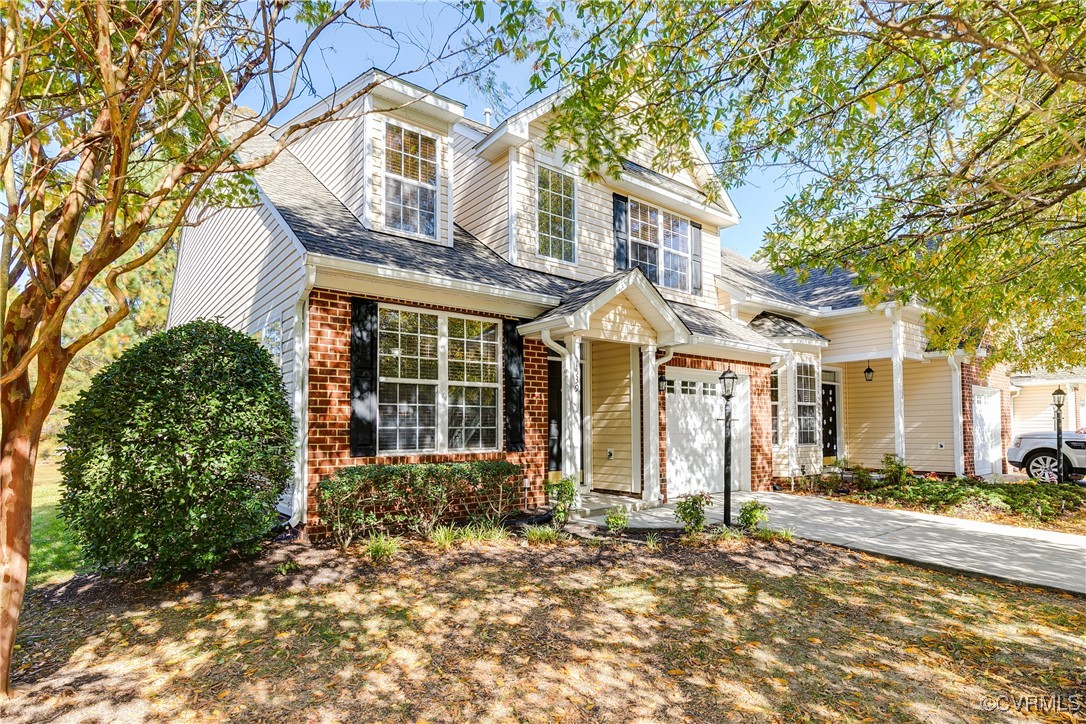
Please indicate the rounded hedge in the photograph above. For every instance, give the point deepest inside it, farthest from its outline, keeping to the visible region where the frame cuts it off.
(177, 452)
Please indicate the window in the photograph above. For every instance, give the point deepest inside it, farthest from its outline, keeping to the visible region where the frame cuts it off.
(422, 356)
(271, 338)
(557, 223)
(806, 410)
(660, 245)
(775, 404)
(410, 181)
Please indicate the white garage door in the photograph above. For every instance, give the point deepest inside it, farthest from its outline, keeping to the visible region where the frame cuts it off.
(987, 432)
(695, 434)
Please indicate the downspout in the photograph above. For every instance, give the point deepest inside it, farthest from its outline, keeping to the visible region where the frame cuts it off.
(669, 352)
(300, 499)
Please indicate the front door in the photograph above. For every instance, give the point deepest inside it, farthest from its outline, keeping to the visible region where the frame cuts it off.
(554, 415)
(829, 421)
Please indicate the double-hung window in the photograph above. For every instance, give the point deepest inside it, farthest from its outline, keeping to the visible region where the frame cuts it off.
(660, 245)
(410, 181)
(806, 404)
(425, 358)
(775, 404)
(556, 215)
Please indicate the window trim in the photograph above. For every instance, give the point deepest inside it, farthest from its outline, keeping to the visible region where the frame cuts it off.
(442, 383)
(815, 375)
(660, 243)
(385, 122)
(576, 214)
(775, 409)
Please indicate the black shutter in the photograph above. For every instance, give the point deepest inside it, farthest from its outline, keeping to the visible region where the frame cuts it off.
(622, 232)
(513, 353)
(695, 258)
(363, 378)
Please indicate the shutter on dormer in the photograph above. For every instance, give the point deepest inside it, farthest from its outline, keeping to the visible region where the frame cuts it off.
(363, 378)
(622, 232)
(513, 353)
(695, 258)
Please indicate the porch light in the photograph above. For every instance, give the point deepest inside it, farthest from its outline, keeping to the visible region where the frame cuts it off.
(661, 382)
(869, 374)
(1059, 397)
(727, 383)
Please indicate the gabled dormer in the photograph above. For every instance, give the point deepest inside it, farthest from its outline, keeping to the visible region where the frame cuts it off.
(533, 206)
(387, 156)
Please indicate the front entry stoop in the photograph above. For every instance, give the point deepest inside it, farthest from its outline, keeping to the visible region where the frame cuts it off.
(596, 503)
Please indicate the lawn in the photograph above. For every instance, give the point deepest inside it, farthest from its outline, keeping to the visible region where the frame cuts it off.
(53, 558)
(499, 631)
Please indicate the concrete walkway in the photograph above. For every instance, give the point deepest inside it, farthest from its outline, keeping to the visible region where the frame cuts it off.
(1009, 553)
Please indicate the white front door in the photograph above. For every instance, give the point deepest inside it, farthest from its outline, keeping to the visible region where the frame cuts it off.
(695, 434)
(987, 432)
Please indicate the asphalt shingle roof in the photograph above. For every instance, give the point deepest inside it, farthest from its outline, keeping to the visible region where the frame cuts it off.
(578, 295)
(714, 323)
(835, 289)
(778, 326)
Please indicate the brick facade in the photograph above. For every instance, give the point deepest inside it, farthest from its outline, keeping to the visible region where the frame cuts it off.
(974, 374)
(330, 390)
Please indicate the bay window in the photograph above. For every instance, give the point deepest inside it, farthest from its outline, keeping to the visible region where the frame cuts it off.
(438, 382)
(410, 181)
(660, 245)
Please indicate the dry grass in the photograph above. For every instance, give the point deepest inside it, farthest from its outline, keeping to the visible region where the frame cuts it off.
(500, 632)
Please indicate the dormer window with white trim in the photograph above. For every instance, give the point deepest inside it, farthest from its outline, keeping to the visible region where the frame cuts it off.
(410, 181)
(660, 245)
(557, 219)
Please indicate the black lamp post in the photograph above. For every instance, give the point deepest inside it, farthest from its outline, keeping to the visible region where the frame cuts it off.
(727, 389)
(1058, 398)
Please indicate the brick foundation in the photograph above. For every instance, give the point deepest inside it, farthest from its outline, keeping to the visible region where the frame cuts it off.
(974, 374)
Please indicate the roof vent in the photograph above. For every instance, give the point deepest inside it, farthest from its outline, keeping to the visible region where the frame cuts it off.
(487, 113)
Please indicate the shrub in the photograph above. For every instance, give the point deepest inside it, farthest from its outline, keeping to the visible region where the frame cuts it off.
(412, 497)
(864, 480)
(752, 514)
(617, 520)
(177, 452)
(541, 534)
(894, 470)
(652, 541)
(443, 536)
(382, 547)
(691, 512)
(562, 493)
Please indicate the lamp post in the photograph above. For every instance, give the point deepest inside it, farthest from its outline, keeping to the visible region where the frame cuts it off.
(727, 389)
(1058, 398)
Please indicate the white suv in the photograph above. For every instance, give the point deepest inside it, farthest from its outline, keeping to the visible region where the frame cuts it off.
(1035, 453)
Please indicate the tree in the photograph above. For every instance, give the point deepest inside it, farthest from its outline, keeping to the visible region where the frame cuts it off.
(116, 118)
(938, 147)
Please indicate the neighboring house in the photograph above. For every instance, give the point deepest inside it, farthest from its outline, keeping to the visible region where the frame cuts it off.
(1033, 410)
(439, 290)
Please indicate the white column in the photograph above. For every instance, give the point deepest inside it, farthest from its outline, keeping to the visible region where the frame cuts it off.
(571, 412)
(651, 410)
(897, 341)
(955, 362)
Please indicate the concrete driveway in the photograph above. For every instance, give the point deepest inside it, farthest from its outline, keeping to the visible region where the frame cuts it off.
(1004, 552)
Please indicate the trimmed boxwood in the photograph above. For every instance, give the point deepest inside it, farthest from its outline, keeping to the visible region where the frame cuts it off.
(177, 452)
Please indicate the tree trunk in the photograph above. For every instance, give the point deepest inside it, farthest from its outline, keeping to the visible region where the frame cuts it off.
(24, 414)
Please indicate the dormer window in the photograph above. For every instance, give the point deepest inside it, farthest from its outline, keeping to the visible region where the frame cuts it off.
(660, 245)
(410, 181)
(557, 215)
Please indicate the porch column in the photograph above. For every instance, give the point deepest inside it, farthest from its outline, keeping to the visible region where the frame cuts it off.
(651, 411)
(955, 361)
(897, 341)
(571, 409)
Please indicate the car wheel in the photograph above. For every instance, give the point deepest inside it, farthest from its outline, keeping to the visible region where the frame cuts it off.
(1042, 466)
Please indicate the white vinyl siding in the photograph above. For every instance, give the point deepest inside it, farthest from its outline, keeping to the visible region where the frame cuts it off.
(482, 194)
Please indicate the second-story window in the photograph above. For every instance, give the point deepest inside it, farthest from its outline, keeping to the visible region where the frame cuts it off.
(557, 221)
(660, 245)
(410, 181)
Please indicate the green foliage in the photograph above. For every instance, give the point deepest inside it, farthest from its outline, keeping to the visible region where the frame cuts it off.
(414, 497)
(443, 536)
(727, 533)
(931, 142)
(864, 480)
(691, 511)
(617, 520)
(287, 567)
(483, 532)
(1034, 501)
(561, 494)
(177, 452)
(894, 470)
(381, 547)
(652, 541)
(541, 534)
(752, 514)
(769, 535)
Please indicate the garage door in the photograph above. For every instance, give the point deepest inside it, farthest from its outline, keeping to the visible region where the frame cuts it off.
(987, 432)
(695, 435)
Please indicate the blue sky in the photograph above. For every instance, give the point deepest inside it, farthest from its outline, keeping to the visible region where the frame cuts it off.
(343, 53)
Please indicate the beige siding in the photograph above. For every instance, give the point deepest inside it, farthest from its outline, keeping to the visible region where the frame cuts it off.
(869, 412)
(611, 417)
(334, 152)
(929, 416)
(619, 321)
(239, 267)
(1033, 410)
(914, 339)
(857, 334)
(481, 194)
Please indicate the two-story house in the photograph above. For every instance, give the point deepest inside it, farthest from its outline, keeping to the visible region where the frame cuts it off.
(439, 290)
